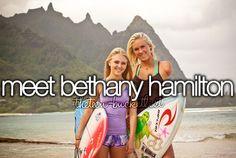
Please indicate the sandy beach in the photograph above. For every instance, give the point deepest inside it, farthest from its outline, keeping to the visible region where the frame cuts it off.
(207, 149)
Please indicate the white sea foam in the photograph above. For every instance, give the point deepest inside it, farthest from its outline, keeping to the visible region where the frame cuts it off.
(213, 109)
(191, 138)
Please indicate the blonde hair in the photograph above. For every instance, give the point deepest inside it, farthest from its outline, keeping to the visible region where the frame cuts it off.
(139, 35)
(127, 74)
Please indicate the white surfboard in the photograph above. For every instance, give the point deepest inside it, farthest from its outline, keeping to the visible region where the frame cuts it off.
(157, 126)
(94, 132)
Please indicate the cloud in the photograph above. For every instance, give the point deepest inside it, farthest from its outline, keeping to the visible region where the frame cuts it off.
(198, 15)
(9, 8)
(218, 11)
(213, 28)
(4, 3)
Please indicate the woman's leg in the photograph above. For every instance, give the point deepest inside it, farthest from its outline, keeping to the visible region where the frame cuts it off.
(169, 152)
(103, 152)
(118, 152)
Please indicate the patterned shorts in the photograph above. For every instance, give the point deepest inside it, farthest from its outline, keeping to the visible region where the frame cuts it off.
(115, 140)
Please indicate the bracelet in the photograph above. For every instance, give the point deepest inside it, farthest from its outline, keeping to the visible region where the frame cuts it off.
(78, 139)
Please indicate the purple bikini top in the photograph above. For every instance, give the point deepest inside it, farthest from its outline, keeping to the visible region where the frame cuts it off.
(116, 108)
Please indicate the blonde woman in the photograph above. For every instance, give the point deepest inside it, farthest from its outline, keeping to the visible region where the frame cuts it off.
(117, 144)
(141, 54)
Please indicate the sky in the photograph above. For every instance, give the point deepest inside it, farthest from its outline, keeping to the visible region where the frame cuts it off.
(200, 34)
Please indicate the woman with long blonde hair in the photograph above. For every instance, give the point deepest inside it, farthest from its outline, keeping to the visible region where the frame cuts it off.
(140, 50)
(117, 143)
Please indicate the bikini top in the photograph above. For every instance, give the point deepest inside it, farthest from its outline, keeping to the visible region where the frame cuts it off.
(155, 68)
(144, 100)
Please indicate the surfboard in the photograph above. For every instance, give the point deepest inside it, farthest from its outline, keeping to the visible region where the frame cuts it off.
(94, 132)
(157, 126)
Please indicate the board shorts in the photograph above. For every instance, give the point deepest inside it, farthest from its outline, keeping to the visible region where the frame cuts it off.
(115, 140)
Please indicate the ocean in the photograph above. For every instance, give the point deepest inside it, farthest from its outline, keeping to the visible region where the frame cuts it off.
(52, 134)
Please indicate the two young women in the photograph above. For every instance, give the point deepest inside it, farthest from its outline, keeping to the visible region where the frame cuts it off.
(141, 57)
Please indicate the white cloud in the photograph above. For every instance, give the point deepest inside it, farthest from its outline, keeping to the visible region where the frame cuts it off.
(9, 8)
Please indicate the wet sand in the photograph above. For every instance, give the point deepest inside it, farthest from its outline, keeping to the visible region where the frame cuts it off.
(207, 149)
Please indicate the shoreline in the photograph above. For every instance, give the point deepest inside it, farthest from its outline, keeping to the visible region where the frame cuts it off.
(223, 137)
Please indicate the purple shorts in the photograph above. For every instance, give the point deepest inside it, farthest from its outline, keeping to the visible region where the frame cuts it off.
(115, 140)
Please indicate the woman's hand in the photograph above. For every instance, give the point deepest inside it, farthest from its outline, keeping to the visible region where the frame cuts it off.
(77, 143)
(130, 147)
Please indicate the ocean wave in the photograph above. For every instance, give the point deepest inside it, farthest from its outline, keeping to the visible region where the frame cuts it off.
(203, 139)
(16, 140)
(15, 114)
(31, 114)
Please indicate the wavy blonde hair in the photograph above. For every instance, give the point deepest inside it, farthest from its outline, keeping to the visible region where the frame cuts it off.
(139, 35)
(127, 74)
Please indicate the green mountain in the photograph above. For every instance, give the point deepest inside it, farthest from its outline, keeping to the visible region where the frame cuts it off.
(26, 55)
(29, 55)
(86, 40)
